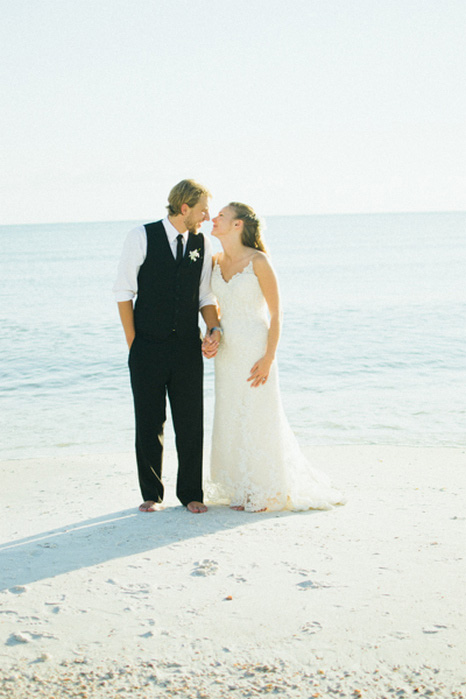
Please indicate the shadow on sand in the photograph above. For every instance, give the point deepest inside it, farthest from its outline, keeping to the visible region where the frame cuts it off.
(114, 535)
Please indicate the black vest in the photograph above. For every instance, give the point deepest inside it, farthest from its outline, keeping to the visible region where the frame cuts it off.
(168, 294)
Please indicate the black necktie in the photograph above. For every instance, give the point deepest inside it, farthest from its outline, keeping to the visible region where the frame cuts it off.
(179, 248)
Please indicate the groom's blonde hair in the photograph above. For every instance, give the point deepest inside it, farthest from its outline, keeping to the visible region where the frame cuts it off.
(185, 192)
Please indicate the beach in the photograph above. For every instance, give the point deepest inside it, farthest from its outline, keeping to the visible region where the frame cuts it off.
(367, 599)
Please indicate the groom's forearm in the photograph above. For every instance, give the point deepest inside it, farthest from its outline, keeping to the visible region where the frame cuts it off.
(210, 315)
(125, 309)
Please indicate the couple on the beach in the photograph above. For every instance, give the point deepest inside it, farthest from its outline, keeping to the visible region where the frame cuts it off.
(168, 267)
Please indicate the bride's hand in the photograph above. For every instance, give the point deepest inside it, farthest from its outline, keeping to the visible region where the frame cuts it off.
(260, 372)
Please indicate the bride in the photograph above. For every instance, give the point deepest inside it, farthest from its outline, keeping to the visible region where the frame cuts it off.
(256, 463)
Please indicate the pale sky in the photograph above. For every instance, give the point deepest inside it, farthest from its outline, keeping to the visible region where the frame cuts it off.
(293, 106)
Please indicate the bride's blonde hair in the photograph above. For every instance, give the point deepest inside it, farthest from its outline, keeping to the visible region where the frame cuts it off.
(251, 236)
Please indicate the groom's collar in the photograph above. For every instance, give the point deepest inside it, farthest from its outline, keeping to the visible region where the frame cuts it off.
(171, 231)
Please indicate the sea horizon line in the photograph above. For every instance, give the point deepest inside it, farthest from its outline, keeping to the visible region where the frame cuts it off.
(264, 215)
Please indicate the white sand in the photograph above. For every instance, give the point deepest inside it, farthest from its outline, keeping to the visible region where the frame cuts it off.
(98, 600)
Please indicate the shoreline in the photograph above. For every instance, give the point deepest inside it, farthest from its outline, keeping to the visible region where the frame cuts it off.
(96, 598)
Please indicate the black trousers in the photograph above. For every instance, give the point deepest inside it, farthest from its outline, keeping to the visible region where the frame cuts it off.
(158, 367)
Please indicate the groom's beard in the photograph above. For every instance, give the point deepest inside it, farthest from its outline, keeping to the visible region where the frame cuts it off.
(191, 225)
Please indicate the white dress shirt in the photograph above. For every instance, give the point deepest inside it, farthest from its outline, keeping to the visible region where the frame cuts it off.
(134, 253)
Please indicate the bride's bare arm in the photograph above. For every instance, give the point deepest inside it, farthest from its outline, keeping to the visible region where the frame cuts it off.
(269, 287)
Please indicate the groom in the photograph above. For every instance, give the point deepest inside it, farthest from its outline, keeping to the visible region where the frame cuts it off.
(166, 267)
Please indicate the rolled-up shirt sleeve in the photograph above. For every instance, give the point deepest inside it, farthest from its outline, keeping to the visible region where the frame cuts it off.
(206, 297)
(133, 255)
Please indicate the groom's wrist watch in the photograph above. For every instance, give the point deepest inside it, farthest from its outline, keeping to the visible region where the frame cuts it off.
(217, 327)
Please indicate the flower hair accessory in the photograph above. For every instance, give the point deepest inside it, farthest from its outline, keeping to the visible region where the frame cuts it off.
(194, 255)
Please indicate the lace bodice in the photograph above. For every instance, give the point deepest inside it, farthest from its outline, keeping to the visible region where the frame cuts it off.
(240, 299)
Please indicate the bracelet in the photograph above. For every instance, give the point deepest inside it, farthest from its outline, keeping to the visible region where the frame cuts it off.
(212, 330)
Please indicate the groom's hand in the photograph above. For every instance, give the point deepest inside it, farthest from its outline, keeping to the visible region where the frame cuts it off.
(210, 344)
(208, 350)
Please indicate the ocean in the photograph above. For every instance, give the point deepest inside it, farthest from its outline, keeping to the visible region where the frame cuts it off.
(373, 348)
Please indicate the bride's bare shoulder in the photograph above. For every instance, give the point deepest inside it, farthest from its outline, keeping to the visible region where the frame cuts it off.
(260, 261)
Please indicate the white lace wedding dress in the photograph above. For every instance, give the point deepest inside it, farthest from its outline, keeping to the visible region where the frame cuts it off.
(256, 461)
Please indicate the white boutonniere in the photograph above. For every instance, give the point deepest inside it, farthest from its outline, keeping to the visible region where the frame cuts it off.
(194, 255)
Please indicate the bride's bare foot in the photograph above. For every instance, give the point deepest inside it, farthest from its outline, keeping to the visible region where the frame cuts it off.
(150, 506)
(240, 508)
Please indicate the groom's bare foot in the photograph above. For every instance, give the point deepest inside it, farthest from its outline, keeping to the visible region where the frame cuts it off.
(196, 507)
(150, 506)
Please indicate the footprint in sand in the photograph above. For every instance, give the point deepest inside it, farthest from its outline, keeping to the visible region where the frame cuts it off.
(205, 567)
(56, 603)
(25, 637)
(133, 589)
(18, 589)
(398, 635)
(136, 589)
(310, 585)
(434, 629)
(311, 627)
(299, 571)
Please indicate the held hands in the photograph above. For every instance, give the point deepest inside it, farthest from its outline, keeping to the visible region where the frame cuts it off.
(260, 372)
(210, 344)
